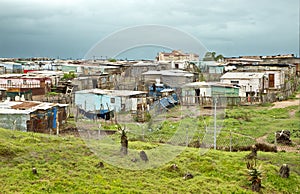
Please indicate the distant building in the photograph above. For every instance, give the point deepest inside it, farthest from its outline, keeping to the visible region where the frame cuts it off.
(24, 84)
(137, 69)
(174, 78)
(177, 55)
(10, 67)
(283, 59)
(211, 70)
(274, 59)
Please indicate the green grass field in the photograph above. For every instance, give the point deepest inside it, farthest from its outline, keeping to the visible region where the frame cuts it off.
(68, 164)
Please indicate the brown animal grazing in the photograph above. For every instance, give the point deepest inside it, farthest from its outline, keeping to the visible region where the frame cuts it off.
(284, 171)
(144, 156)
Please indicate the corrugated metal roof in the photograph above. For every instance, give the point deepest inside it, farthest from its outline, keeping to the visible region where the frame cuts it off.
(26, 107)
(142, 64)
(174, 72)
(14, 111)
(8, 104)
(24, 76)
(242, 75)
(112, 92)
(207, 84)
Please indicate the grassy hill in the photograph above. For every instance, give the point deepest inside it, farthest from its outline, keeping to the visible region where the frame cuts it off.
(67, 165)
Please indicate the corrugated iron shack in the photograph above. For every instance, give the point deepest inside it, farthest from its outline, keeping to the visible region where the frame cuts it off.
(118, 100)
(33, 116)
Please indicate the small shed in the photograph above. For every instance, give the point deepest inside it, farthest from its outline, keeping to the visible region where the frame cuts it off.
(198, 92)
(94, 100)
(32, 116)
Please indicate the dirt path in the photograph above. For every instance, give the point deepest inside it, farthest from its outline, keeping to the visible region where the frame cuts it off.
(263, 139)
(283, 104)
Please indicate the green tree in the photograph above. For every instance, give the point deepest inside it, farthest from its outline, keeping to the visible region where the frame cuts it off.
(112, 60)
(69, 76)
(218, 57)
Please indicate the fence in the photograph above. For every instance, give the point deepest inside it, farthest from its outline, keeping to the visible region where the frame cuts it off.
(226, 140)
(224, 101)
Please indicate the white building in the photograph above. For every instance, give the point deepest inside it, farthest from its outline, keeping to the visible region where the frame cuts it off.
(250, 83)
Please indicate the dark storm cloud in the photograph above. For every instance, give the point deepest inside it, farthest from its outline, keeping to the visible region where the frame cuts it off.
(69, 28)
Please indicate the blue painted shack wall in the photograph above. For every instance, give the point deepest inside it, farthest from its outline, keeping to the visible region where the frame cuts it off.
(105, 100)
(92, 102)
(54, 110)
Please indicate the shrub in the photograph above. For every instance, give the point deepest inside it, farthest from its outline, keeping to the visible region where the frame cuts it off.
(69, 76)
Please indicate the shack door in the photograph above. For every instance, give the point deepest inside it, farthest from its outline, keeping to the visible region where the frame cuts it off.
(271, 81)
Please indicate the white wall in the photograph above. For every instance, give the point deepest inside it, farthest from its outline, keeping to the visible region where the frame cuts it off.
(205, 92)
(246, 85)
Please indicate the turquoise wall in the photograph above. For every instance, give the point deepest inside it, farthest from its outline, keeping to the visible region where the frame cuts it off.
(224, 91)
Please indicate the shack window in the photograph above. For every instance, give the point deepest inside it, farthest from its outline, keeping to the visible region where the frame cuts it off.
(234, 82)
(9, 82)
(112, 100)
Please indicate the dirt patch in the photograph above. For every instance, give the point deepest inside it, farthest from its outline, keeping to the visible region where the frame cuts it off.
(284, 104)
(286, 148)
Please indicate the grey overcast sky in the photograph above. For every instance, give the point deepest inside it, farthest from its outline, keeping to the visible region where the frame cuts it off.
(69, 28)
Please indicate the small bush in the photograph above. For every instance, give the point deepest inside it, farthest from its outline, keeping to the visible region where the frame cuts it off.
(52, 93)
(69, 76)
(112, 60)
